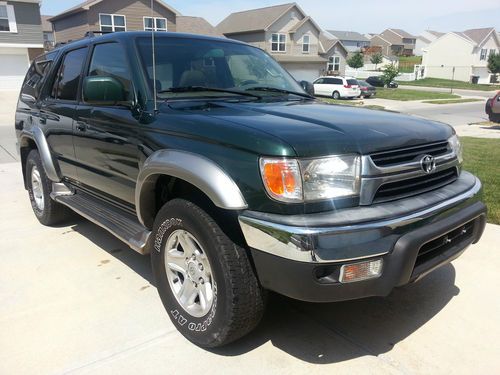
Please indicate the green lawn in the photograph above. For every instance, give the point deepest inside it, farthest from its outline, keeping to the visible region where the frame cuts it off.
(452, 101)
(448, 83)
(482, 158)
(405, 95)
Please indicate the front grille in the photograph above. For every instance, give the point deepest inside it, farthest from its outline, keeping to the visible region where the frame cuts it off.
(444, 243)
(413, 186)
(405, 155)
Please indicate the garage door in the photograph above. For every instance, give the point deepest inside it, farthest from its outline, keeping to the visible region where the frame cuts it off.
(303, 72)
(12, 71)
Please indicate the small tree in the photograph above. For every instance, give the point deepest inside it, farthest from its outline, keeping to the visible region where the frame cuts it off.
(376, 59)
(494, 64)
(356, 60)
(390, 72)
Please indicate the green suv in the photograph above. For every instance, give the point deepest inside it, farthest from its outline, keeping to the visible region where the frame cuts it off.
(210, 157)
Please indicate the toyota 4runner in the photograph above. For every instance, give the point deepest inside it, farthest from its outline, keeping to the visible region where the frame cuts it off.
(209, 156)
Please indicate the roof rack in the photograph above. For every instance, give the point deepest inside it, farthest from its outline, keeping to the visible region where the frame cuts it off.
(91, 34)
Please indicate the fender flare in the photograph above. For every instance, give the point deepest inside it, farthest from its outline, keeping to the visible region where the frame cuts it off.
(195, 169)
(50, 166)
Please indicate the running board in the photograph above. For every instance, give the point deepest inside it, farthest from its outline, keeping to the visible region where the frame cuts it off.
(122, 225)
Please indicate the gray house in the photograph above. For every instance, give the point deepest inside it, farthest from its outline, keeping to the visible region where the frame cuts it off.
(395, 42)
(124, 15)
(290, 36)
(21, 40)
(351, 40)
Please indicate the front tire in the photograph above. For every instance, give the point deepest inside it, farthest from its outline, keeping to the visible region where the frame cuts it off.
(46, 210)
(494, 117)
(204, 279)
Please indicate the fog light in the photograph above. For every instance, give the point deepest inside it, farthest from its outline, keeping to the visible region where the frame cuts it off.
(360, 271)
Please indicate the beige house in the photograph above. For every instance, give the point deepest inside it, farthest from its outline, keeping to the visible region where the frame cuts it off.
(124, 15)
(290, 36)
(395, 42)
(461, 55)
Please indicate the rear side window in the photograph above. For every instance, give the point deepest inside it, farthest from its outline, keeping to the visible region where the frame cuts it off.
(36, 74)
(68, 76)
(109, 60)
(334, 81)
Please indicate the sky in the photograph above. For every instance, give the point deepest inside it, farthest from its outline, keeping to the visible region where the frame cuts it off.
(365, 16)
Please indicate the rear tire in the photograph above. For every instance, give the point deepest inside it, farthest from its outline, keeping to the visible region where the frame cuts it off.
(46, 210)
(336, 95)
(205, 280)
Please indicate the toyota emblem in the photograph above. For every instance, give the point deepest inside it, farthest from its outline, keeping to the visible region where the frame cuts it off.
(428, 164)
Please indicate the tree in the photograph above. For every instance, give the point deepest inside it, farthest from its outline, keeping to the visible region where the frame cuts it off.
(356, 60)
(376, 59)
(390, 72)
(494, 64)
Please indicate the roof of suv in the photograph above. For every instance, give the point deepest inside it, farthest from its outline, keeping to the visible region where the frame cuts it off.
(128, 35)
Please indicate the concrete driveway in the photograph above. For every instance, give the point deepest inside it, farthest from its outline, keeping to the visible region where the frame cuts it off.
(73, 299)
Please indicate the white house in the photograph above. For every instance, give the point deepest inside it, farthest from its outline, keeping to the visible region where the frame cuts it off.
(426, 38)
(461, 55)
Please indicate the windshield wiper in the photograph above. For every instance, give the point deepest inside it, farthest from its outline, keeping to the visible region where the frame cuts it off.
(203, 88)
(282, 91)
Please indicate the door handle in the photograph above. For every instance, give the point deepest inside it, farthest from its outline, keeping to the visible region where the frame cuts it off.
(81, 126)
(43, 120)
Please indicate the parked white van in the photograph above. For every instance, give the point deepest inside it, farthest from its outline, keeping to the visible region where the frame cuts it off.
(337, 87)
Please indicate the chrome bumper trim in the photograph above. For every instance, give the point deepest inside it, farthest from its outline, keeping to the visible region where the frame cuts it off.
(299, 243)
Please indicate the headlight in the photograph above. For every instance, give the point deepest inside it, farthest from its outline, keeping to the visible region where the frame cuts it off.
(291, 180)
(456, 146)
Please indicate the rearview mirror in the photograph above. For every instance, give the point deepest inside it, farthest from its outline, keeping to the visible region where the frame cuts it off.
(104, 91)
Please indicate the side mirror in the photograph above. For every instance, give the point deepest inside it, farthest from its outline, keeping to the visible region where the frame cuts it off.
(104, 91)
(308, 87)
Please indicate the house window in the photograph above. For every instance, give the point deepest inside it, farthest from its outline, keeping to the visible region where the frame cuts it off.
(305, 43)
(484, 52)
(492, 51)
(112, 22)
(155, 24)
(4, 18)
(333, 63)
(278, 43)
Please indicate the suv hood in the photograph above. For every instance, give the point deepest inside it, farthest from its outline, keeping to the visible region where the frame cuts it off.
(316, 129)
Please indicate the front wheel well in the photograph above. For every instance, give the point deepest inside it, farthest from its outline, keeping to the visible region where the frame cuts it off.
(166, 188)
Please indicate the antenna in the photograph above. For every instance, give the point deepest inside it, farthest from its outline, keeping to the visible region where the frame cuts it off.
(153, 54)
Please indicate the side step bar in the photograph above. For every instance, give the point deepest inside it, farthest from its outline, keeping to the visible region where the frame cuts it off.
(119, 223)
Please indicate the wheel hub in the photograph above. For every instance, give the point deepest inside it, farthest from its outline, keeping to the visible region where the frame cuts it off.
(36, 188)
(189, 273)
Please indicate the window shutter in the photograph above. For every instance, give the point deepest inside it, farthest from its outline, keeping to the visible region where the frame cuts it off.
(12, 19)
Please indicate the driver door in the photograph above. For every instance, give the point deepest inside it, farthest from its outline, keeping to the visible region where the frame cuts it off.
(105, 136)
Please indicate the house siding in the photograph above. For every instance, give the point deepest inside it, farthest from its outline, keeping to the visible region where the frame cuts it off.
(256, 39)
(133, 10)
(29, 25)
(71, 27)
(75, 26)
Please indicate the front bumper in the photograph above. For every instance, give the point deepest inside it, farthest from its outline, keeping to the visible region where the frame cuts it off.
(300, 255)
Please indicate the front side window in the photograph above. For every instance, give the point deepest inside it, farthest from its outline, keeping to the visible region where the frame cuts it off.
(4, 18)
(305, 44)
(109, 60)
(213, 64)
(484, 52)
(68, 76)
(278, 43)
(155, 24)
(333, 63)
(112, 22)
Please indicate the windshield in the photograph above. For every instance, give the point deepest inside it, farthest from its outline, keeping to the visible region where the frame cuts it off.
(184, 63)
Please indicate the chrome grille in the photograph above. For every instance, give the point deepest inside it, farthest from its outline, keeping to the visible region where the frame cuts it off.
(405, 155)
(398, 173)
(413, 186)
